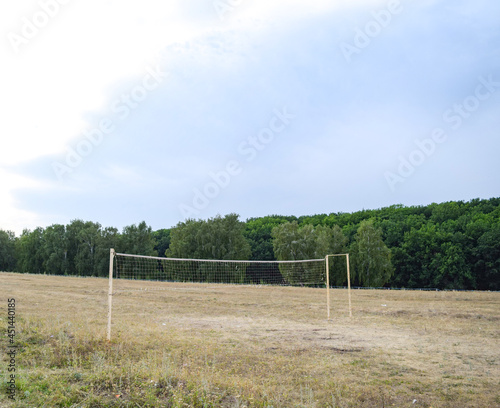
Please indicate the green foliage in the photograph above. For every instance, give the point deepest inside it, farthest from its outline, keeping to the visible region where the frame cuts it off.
(372, 258)
(453, 245)
(294, 242)
(258, 234)
(338, 245)
(54, 250)
(137, 239)
(88, 241)
(488, 259)
(291, 242)
(162, 241)
(7, 251)
(29, 253)
(217, 238)
(80, 248)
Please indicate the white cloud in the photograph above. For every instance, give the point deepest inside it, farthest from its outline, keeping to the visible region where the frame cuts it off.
(269, 53)
(67, 69)
(12, 217)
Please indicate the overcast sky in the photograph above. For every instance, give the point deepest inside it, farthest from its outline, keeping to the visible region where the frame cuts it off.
(120, 111)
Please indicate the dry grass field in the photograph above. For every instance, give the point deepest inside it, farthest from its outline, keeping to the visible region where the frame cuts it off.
(194, 345)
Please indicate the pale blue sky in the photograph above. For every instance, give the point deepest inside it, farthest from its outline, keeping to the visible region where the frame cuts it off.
(295, 108)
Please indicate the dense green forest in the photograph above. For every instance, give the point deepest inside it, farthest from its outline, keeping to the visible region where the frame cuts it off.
(452, 245)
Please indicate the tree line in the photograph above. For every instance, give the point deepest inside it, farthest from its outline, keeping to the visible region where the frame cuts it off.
(452, 245)
(80, 248)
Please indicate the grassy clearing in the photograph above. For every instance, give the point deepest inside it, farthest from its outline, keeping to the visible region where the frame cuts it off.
(188, 345)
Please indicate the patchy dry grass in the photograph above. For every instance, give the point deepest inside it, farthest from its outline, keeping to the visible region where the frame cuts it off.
(189, 345)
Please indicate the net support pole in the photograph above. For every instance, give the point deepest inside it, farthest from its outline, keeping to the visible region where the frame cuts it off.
(327, 289)
(110, 290)
(349, 284)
